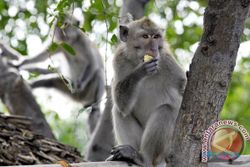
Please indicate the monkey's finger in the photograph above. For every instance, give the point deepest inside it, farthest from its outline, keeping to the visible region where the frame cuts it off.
(151, 72)
(120, 146)
(118, 156)
(114, 151)
(151, 69)
(153, 64)
(110, 158)
(153, 60)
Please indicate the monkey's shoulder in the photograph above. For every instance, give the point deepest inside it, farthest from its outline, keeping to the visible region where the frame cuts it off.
(121, 62)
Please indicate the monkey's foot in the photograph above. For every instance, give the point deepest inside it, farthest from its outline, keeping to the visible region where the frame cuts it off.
(125, 153)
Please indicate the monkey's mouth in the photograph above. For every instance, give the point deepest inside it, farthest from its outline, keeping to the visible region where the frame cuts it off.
(154, 54)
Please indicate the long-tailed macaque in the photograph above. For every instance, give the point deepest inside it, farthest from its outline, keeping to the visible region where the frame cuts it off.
(86, 69)
(146, 94)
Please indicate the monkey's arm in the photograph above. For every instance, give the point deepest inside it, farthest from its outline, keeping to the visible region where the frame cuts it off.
(9, 52)
(125, 90)
(38, 70)
(38, 58)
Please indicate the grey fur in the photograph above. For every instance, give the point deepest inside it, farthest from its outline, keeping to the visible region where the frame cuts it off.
(146, 104)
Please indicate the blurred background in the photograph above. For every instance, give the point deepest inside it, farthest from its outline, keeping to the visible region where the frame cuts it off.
(27, 26)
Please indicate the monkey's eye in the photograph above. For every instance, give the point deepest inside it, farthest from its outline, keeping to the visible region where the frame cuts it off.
(145, 36)
(157, 36)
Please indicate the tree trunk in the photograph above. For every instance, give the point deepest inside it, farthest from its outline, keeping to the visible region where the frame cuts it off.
(17, 96)
(208, 79)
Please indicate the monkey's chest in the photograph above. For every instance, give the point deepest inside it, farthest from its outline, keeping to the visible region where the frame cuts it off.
(151, 97)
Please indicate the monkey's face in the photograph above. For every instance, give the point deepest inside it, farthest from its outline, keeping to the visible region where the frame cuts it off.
(68, 31)
(142, 37)
(146, 42)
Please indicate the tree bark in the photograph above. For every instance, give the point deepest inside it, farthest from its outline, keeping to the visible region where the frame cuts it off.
(208, 79)
(17, 96)
(19, 146)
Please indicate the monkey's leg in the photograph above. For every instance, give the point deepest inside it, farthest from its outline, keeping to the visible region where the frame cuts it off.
(52, 82)
(127, 129)
(128, 133)
(93, 117)
(38, 70)
(157, 137)
(95, 89)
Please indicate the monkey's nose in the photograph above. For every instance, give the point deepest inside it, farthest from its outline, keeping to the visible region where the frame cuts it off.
(153, 49)
(152, 52)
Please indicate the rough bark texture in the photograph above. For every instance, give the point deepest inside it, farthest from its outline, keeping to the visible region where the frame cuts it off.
(17, 96)
(19, 146)
(102, 139)
(209, 78)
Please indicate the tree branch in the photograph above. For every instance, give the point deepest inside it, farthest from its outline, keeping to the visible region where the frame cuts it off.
(208, 79)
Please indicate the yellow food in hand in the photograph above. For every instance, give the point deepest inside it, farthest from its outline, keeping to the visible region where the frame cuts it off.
(147, 58)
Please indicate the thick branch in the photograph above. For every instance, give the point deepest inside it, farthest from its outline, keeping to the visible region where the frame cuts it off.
(209, 78)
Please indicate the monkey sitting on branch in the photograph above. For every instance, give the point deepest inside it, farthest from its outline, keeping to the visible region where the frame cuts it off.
(147, 91)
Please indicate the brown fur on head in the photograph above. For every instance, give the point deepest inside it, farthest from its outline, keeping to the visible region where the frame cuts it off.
(142, 37)
(144, 23)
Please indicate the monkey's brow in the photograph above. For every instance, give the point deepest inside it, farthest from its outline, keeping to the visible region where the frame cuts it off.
(149, 32)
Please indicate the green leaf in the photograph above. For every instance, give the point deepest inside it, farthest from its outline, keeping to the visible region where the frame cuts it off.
(51, 68)
(53, 47)
(2, 5)
(22, 47)
(51, 22)
(81, 110)
(33, 75)
(68, 48)
(114, 39)
(41, 6)
(82, 29)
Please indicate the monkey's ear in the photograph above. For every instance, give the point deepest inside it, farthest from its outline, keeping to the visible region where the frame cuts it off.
(123, 31)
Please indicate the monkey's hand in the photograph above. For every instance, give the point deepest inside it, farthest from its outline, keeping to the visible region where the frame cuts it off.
(125, 153)
(150, 67)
